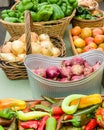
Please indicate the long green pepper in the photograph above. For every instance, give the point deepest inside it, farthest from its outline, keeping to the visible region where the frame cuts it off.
(51, 123)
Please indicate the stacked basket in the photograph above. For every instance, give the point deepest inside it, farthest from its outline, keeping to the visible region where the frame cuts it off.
(17, 70)
(53, 27)
(82, 22)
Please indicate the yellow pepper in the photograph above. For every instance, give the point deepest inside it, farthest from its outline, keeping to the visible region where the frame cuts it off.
(12, 103)
(87, 101)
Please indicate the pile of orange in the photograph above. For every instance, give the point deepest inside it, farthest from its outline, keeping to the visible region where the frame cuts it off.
(85, 39)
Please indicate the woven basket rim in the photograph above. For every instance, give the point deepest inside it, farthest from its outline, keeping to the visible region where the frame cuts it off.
(42, 22)
(80, 20)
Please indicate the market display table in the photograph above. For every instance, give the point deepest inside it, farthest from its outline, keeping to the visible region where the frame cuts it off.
(20, 88)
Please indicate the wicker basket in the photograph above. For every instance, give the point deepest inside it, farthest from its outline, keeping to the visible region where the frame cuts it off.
(72, 44)
(55, 27)
(17, 70)
(88, 23)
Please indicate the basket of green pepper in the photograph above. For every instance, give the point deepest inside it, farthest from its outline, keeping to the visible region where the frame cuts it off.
(49, 16)
(88, 18)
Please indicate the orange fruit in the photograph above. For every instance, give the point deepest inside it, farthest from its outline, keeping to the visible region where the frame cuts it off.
(101, 45)
(92, 44)
(79, 42)
(86, 32)
(79, 50)
(89, 39)
(87, 48)
(75, 37)
(76, 31)
(99, 39)
(97, 31)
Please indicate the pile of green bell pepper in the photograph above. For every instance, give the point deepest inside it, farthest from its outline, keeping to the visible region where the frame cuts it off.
(41, 10)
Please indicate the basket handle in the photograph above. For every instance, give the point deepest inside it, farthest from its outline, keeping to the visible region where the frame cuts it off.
(28, 26)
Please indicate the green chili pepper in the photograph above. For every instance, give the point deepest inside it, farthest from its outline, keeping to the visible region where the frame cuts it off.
(1, 128)
(31, 115)
(87, 110)
(50, 99)
(4, 12)
(66, 102)
(7, 113)
(51, 123)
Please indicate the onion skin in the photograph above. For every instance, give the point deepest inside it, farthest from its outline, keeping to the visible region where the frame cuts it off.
(41, 72)
(52, 72)
(34, 37)
(6, 48)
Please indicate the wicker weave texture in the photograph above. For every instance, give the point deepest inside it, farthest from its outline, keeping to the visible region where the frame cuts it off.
(56, 27)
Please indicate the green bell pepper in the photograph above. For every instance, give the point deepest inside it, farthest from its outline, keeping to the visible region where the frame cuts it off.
(20, 7)
(33, 15)
(40, 5)
(7, 113)
(75, 4)
(29, 6)
(69, 10)
(12, 13)
(11, 19)
(57, 12)
(53, 1)
(3, 16)
(25, 2)
(72, 1)
(44, 13)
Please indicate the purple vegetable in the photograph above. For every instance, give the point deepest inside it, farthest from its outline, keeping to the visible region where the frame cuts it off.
(77, 69)
(64, 80)
(77, 60)
(41, 72)
(78, 77)
(52, 72)
(65, 72)
(66, 63)
(96, 66)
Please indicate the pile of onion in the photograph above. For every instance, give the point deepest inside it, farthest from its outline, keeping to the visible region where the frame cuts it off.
(40, 44)
(69, 70)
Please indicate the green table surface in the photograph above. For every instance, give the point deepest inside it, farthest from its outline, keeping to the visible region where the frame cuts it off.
(21, 88)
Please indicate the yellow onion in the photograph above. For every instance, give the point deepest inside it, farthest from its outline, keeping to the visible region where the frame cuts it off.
(56, 51)
(46, 44)
(8, 57)
(34, 37)
(20, 57)
(44, 37)
(6, 48)
(18, 47)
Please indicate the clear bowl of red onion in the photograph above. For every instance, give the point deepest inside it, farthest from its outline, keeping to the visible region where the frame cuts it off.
(58, 77)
